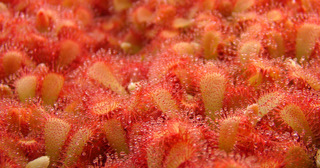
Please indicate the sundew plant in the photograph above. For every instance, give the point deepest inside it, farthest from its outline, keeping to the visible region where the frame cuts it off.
(160, 83)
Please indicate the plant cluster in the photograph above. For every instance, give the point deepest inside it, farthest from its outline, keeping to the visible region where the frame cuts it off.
(160, 83)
